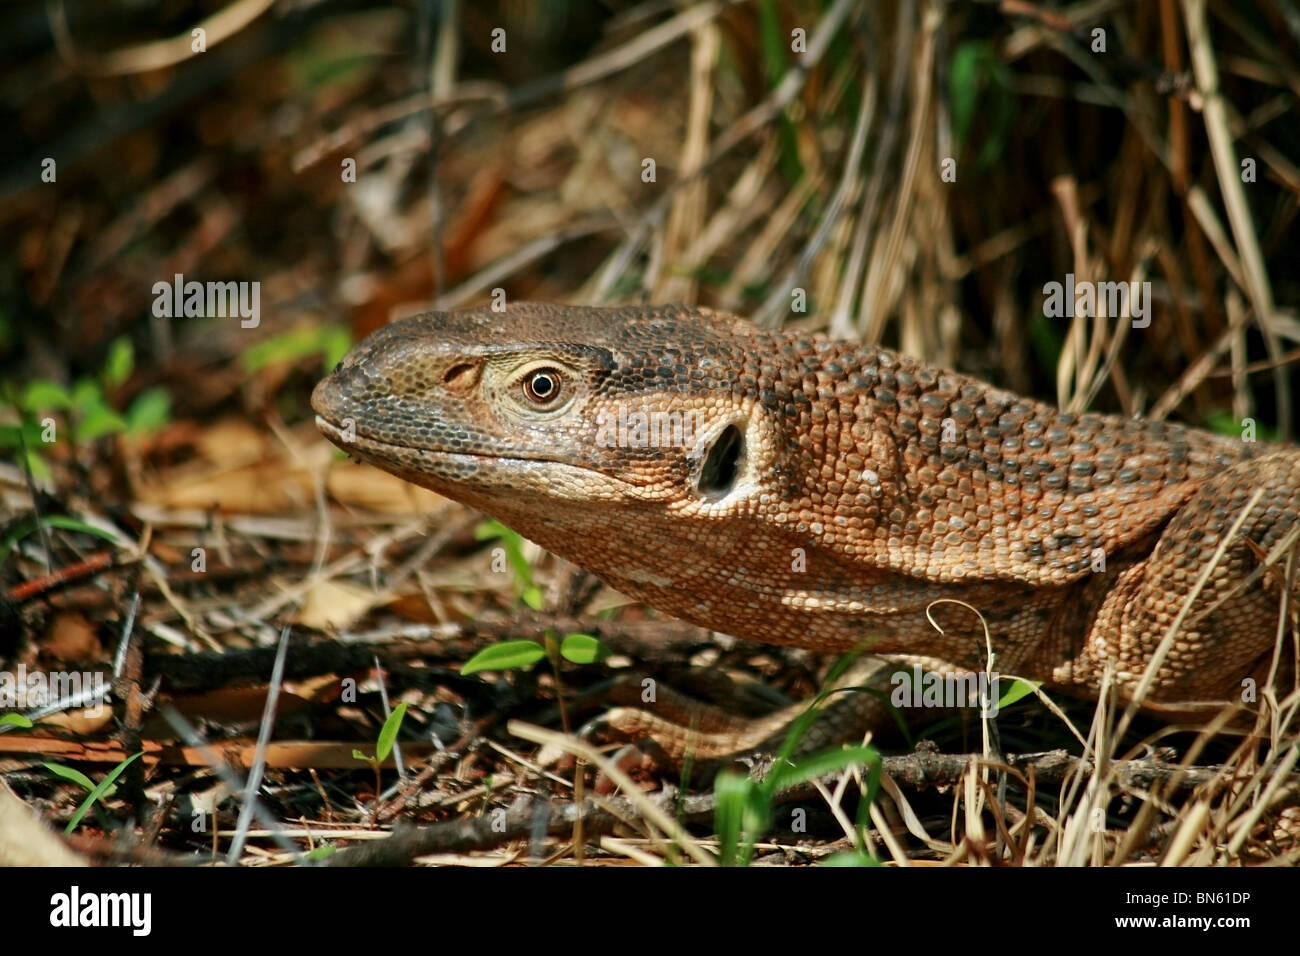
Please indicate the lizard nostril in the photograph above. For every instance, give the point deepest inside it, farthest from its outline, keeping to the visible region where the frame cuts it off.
(722, 463)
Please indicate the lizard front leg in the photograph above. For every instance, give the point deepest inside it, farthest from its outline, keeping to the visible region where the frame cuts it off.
(1227, 623)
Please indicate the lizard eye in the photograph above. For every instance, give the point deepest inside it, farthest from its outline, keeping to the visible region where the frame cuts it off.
(543, 386)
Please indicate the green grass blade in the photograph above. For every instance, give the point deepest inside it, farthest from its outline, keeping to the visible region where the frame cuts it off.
(1017, 690)
(819, 765)
(99, 791)
(71, 773)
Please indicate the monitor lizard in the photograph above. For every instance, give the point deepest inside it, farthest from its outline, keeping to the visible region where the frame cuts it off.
(793, 489)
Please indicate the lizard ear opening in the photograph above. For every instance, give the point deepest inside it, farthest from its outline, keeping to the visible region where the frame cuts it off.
(721, 463)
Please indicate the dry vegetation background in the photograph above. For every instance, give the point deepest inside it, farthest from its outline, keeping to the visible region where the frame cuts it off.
(522, 169)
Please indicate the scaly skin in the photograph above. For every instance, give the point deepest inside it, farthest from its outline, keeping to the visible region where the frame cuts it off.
(863, 487)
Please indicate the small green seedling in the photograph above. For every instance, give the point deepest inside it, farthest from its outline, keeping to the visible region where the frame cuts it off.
(521, 655)
(383, 746)
(105, 787)
(90, 413)
(513, 545)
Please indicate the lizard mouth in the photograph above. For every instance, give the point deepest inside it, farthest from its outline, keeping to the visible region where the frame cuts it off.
(363, 446)
(359, 442)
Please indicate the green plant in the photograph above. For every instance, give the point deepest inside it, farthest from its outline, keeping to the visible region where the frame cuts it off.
(981, 97)
(90, 413)
(330, 342)
(513, 544)
(30, 525)
(98, 791)
(1018, 689)
(516, 655)
(775, 46)
(383, 745)
(1226, 423)
(521, 655)
(744, 811)
(21, 440)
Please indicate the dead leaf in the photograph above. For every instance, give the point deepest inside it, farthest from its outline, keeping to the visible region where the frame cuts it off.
(335, 605)
(72, 638)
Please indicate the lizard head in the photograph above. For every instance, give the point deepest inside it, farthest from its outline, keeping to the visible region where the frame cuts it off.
(538, 408)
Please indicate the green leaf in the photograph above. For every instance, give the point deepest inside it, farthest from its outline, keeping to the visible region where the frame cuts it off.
(811, 714)
(150, 411)
(775, 44)
(98, 421)
(388, 733)
(358, 755)
(850, 858)
(86, 394)
(324, 340)
(70, 773)
(820, 764)
(53, 521)
(325, 58)
(1046, 339)
(739, 815)
(320, 853)
(490, 528)
(28, 434)
(11, 540)
(43, 395)
(29, 431)
(505, 656)
(38, 468)
(72, 524)
(1226, 423)
(963, 85)
(1016, 691)
(980, 95)
(583, 649)
(15, 720)
(335, 342)
(1223, 423)
(513, 542)
(119, 364)
(99, 791)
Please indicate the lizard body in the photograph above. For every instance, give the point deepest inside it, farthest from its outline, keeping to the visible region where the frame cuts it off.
(797, 490)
